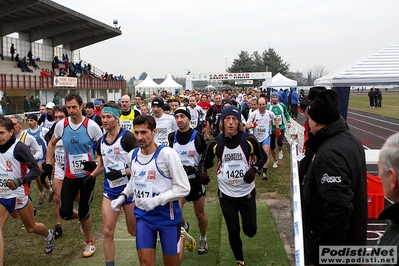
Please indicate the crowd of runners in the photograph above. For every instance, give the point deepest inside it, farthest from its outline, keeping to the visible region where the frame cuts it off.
(154, 157)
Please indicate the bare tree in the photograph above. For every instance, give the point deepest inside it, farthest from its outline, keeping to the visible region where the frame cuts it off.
(315, 73)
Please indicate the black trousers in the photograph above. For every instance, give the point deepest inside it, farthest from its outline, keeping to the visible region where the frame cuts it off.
(231, 208)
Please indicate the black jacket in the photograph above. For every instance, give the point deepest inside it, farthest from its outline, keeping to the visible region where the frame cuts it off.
(335, 192)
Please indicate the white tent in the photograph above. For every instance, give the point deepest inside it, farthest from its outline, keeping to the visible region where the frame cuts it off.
(170, 84)
(148, 86)
(381, 68)
(279, 80)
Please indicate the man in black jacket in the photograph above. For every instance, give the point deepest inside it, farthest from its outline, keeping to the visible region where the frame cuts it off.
(335, 193)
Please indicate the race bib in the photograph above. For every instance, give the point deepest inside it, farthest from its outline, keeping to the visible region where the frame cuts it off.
(261, 129)
(59, 157)
(75, 162)
(194, 123)
(126, 124)
(142, 190)
(120, 181)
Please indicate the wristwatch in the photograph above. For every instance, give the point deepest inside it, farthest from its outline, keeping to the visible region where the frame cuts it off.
(123, 172)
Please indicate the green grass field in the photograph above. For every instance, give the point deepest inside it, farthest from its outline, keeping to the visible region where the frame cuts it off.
(266, 248)
(390, 104)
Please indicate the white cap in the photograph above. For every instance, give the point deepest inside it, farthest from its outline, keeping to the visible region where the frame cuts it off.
(50, 105)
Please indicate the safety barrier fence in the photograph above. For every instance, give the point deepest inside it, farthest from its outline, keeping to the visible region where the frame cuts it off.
(295, 138)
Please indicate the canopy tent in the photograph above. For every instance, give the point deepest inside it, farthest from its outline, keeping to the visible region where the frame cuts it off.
(148, 86)
(279, 80)
(170, 84)
(381, 68)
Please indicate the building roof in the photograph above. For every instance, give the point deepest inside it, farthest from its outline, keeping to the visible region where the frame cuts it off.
(45, 19)
(381, 68)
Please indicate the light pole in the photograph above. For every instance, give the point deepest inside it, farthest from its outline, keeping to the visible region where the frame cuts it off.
(226, 56)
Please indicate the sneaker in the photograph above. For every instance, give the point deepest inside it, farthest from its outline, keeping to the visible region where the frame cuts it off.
(189, 241)
(34, 211)
(23, 227)
(50, 243)
(50, 196)
(264, 177)
(42, 198)
(187, 227)
(280, 155)
(275, 164)
(203, 247)
(239, 263)
(89, 250)
(58, 231)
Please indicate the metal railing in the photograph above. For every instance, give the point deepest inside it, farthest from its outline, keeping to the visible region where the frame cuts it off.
(27, 82)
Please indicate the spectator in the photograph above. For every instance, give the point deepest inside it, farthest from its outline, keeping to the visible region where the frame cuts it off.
(56, 99)
(34, 64)
(12, 52)
(4, 105)
(26, 104)
(294, 104)
(37, 103)
(30, 57)
(16, 58)
(388, 171)
(371, 95)
(335, 193)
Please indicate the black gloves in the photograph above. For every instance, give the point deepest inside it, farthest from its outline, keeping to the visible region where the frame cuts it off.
(89, 181)
(89, 166)
(190, 169)
(250, 175)
(204, 178)
(113, 174)
(47, 170)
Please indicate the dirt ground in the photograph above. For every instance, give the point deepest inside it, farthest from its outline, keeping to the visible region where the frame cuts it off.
(281, 212)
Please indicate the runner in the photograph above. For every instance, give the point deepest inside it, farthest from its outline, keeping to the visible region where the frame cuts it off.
(280, 110)
(38, 133)
(259, 121)
(18, 167)
(128, 114)
(112, 149)
(158, 182)
(190, 144)
(236, 174)
(165, 123)
(77, 133)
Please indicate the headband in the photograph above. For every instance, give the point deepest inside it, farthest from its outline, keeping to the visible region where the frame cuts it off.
(111, 110)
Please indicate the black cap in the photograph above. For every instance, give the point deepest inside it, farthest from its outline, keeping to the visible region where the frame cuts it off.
(325, 109)
(312, 95)
(158, 103)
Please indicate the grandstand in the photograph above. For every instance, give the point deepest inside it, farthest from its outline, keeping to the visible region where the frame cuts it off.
(49, 30)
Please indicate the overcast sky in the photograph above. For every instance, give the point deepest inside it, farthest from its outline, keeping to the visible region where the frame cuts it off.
(162, 37)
